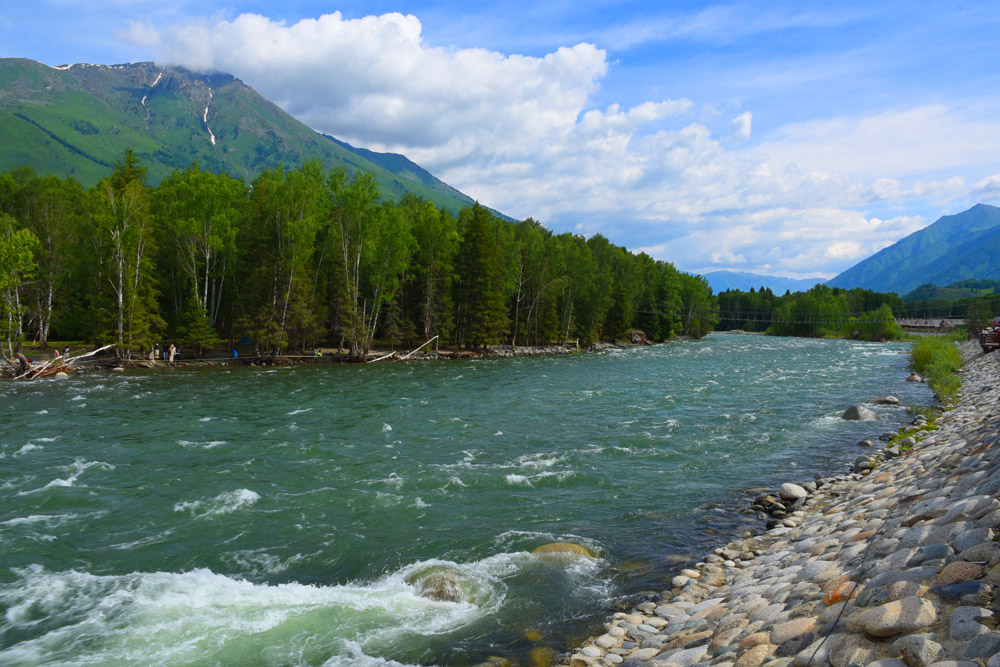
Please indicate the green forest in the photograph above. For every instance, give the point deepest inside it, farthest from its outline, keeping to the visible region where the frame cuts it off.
(820, 311)
(309, 257)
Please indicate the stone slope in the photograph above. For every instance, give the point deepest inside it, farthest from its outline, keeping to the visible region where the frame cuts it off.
(895, 567)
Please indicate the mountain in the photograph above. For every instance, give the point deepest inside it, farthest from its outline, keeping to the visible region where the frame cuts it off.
(953, 248)
(720, 281)
(78, 120)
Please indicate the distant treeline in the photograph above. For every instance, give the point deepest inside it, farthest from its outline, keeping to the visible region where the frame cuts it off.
(307, 257)
(974, 300)
(820, 311)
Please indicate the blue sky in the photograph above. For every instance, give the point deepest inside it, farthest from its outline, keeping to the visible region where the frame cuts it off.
(782, 138)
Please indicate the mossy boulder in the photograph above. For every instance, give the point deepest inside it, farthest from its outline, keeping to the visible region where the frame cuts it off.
(564, 549)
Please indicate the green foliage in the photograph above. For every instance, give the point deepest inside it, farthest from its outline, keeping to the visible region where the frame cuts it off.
(484, 278)
(820, 311)
(939, 358)
(308, 256)
(17, 267)
(195, 329)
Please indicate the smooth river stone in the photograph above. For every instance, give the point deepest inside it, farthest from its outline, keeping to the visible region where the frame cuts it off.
(917, 650)
(898, 617)
(755, 656)
(963, 626)
(783, 632)
(789, 491)
(852, 649)
(959, 571)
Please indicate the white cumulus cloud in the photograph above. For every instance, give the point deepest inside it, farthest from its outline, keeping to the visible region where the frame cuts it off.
(523, 134)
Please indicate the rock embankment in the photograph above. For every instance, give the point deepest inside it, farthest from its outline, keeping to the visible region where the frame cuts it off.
(894, 565)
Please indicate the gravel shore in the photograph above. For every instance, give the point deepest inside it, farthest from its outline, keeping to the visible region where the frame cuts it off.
(894, 565)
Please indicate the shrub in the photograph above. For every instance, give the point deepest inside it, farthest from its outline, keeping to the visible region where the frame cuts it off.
(938, 359)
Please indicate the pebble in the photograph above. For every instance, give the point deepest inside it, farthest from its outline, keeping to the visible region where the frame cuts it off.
(891, 565)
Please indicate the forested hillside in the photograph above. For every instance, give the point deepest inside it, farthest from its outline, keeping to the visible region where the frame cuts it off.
(78, 121)
(305, 257)
(954, 248)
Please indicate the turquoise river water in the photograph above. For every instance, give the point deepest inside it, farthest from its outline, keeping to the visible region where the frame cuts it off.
(287, 516)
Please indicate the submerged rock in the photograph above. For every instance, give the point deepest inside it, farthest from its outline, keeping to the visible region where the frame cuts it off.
(564, 549)
(886, 400)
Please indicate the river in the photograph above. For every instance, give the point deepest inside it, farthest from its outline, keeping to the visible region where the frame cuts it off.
(286, 516)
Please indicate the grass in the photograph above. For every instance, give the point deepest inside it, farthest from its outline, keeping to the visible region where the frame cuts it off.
(938, 358)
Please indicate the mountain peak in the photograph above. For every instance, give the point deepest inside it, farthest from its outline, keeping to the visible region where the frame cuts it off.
(78, 120)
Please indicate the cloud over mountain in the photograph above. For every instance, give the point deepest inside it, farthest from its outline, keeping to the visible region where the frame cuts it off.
(525, 135)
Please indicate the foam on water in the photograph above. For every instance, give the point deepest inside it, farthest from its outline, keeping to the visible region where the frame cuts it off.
(260, 562)
(211, 444)
(205, 617)
(76, 469)
(226, 502)
(27, 448)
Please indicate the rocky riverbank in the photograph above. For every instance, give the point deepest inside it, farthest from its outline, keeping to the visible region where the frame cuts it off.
(893, 565)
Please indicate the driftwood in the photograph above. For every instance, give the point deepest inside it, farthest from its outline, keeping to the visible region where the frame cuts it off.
(56, 365)
(404, 358)
(386, 356)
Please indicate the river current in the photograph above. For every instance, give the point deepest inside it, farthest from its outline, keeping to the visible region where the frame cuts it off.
(286, 516)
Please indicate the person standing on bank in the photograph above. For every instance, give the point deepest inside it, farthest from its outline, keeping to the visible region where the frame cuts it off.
(172, 351)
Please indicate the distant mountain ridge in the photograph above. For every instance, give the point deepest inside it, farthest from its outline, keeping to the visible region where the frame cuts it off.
(953, 248)
(720, 281)
(78, 120)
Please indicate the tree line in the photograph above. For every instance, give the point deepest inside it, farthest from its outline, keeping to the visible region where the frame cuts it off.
(308, 257)
(819, 311)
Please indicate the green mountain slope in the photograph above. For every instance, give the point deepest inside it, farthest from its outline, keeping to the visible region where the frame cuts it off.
(963, 289)
(955, 247)
(79, 120)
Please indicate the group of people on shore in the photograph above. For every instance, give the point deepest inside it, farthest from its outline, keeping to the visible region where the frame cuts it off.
(168, 354)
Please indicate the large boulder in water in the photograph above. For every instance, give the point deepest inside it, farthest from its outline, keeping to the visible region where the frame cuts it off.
(442, 586)
(564, 549)
(447, 583)
(859, 413)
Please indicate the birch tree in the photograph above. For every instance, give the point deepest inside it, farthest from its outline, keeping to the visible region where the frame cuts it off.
(289, 207)
(17, 267)
(120, 225)
(374, 244)
(199, 213)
